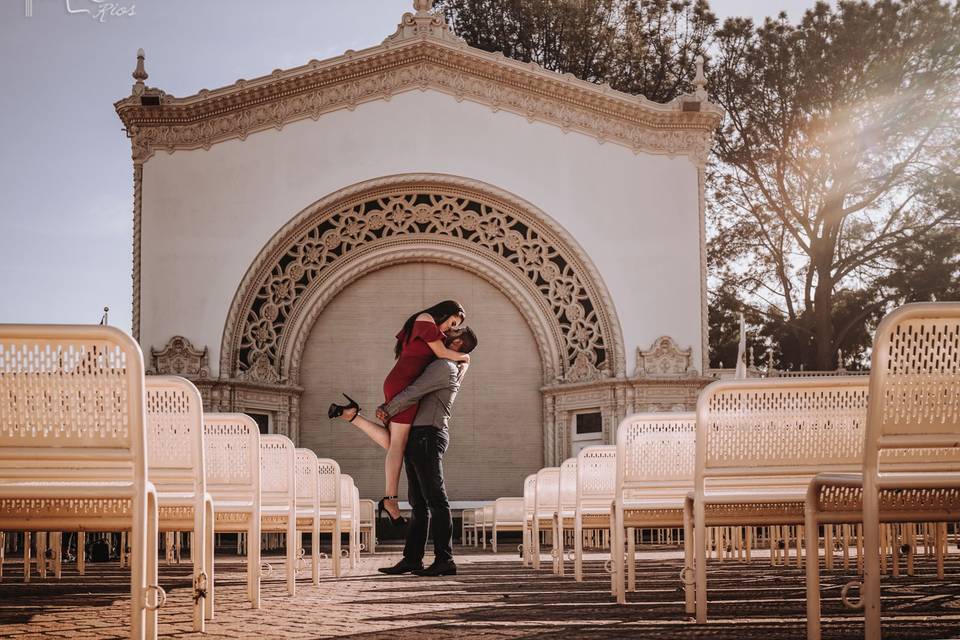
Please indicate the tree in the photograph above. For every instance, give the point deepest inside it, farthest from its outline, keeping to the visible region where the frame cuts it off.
(647, 48)
(837, 162)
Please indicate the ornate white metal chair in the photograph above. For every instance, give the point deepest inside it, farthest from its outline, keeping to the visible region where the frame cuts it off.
(175, 466)
(596, 488)
(487, 523)
(477, 526)
(308, 509)
(758, 445)
(329, 505)
(232, 447)
(349, 517)
(911, 462)
(466, 526)
(278, 497)
(529, 504)
(545, 505)
(368, 525)
(655, 460)
(507, 516)
(73, 452)
(565, 516)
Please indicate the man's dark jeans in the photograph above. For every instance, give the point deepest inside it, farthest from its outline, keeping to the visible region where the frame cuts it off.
(423, 459)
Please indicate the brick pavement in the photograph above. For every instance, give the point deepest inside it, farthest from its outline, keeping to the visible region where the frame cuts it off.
(494, 597)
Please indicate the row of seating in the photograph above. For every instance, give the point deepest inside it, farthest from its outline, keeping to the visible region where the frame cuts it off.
(89, 443)
(774, 455)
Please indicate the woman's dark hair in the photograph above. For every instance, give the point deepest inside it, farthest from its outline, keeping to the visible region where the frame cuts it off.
(439, 312)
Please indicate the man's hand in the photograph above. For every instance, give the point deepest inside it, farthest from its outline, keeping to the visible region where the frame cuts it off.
(382, 415)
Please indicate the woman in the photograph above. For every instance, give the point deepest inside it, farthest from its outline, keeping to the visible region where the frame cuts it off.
(419, 342)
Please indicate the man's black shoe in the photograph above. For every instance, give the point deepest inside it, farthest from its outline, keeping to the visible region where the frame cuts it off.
(404, 566)
(447, 568)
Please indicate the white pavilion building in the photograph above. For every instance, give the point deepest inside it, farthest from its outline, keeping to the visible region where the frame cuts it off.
(285, 226)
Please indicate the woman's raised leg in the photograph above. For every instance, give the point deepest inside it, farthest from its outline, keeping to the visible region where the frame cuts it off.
(399, 433)
(376, 432)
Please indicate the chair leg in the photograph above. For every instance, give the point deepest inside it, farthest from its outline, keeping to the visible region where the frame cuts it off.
(335, 547)
(26, 555)
(293, 544)
(535, 544)
(631, 560)
(871, 561)
(578, 547)
(493, 539)
(152, 572)
(617, 552)
(315, 552)
(3, 548)
(198, 542)
(210, 538)
(813, 571)
(253, 561)
(700, 560)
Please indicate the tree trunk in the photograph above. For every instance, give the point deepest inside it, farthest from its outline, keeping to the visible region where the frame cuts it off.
(823, 319)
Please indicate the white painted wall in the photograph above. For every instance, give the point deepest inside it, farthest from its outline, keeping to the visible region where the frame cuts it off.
(207, 214)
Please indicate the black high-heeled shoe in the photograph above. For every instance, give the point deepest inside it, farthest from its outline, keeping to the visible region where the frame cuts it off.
(399, 520)
(336, 410)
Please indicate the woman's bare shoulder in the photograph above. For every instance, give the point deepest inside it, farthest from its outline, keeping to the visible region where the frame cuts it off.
(424, 317)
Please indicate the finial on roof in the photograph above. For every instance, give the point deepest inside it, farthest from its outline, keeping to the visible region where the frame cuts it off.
(139, 74)
(700, 81)
(423, 6)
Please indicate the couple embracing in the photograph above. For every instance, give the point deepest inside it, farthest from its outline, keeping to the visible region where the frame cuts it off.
(431, 355)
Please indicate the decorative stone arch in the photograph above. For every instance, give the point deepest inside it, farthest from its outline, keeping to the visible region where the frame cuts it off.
(422, 218)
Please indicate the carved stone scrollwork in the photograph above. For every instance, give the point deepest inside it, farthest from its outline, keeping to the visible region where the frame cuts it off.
(180, 358)
(665, 359)
(319, 246)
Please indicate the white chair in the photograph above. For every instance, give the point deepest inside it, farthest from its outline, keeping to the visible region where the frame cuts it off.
(911, 461)
(545, 505)
(466, 526)
(73, 452)
(175, 466)
(507, 516)
(329, 505)
(368, 525)
(308, 509)
(487, 522)
(349, 516)
(758, 445)
(566, 513)
(477, 526)
(529, 503)
(278, 497)
(655, 460)
(231, 444)
(596, 488)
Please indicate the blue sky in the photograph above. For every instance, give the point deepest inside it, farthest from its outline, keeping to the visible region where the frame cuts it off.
(66, 182)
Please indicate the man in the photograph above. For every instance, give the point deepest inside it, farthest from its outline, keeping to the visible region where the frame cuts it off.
(436, 390)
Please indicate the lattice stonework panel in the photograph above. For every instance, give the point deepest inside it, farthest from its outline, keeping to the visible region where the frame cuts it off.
(753, 427)
(69, 393)
(921, 386)
(506, 236)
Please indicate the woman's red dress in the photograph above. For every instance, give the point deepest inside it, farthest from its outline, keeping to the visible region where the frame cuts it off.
(414, 358)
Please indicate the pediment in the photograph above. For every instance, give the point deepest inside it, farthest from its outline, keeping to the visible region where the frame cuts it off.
(423, 55)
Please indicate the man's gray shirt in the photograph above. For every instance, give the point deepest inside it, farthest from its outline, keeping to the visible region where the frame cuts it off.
(436, 389)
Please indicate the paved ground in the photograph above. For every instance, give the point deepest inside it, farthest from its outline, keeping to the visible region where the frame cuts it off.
(494, 597)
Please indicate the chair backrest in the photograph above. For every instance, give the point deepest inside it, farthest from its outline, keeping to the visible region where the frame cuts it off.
(508, 511)
(466, 517)
(914, 412)
(307, 479)
(69, 394)
(596, 476)
(176, 461)
(346, 496)
(328, 490)
(548, 492)
(529, 495)
(478, 517)
(231, 444)
(655, 452)
(488, 514)
(794, 427)
(567, 500)
(367, 508)
(278, 485)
